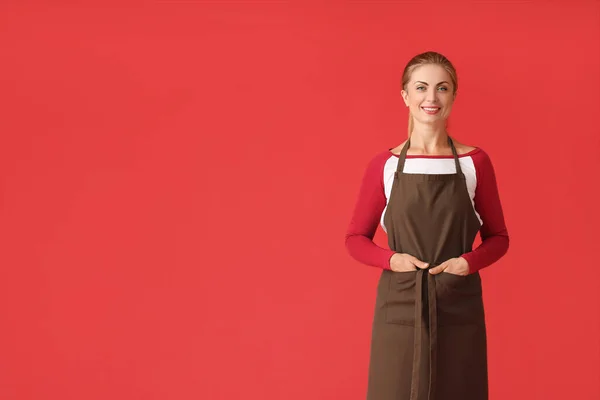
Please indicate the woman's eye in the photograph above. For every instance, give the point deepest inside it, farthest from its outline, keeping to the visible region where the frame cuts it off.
(441, 87)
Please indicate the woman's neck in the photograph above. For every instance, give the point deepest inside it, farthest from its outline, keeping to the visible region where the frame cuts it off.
(429, 142)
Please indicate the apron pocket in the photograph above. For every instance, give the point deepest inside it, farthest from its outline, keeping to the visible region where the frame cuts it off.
(459, 299)
(465, 285)
(400, 301)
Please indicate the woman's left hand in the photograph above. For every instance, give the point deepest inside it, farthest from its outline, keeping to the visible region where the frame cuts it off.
(456, 266)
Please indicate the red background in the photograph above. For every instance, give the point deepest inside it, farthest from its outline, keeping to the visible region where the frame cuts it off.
(177, 178)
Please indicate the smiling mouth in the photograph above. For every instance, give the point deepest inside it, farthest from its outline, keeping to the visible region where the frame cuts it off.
(431, 110)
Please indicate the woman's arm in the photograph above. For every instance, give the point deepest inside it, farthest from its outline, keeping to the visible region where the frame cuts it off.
(494, 235)
(369, 205)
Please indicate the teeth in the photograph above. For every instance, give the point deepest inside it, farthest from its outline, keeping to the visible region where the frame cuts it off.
(430, 109)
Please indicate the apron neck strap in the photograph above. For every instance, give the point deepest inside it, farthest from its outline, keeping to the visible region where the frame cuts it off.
(407, 145)
(456, 162)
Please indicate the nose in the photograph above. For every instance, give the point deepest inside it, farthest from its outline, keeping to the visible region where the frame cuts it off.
(432, 95)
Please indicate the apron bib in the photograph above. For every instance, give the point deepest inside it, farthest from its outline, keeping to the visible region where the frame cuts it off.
(429, 336)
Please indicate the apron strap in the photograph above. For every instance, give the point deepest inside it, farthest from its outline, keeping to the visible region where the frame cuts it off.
(402, 157)
(432, 335)
(417, 348)
(419, 326)
(455, 154)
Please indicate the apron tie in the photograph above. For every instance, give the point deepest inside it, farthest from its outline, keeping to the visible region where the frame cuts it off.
(418, 346)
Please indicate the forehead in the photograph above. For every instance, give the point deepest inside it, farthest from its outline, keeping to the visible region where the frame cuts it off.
(430, 73)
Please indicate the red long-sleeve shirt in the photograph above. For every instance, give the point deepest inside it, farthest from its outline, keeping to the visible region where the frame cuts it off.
(375, 191)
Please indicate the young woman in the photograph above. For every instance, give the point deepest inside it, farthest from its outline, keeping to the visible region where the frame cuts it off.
(431, 195)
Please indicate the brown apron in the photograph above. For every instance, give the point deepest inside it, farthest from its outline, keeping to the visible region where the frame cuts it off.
(429, 334)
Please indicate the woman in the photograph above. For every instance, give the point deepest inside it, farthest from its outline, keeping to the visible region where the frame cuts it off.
(431, 195)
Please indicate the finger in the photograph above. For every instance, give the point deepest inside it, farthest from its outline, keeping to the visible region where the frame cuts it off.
(438, 269)
(418, 263)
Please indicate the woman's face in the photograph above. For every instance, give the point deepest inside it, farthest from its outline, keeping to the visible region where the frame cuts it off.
(429, 86)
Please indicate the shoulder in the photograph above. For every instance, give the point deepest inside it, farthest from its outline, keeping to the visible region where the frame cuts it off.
(484, 167)
(380, 158)
(478, 154)
(465, 149)
(480, 157)
(398, 149)
(462, 148)
(373, 171)
(481, 160)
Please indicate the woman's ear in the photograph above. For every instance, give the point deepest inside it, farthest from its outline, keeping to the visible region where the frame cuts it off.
(404, 97)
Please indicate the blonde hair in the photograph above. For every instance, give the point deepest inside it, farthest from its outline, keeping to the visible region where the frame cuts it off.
(429, 57)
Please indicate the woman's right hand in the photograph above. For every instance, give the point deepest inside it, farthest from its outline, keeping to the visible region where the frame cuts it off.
(402, 262)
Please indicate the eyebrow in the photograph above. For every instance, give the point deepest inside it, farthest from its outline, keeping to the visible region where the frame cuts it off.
(428, 84)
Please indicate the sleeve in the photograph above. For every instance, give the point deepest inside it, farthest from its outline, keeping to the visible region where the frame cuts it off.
(494, 235)
(368, 207)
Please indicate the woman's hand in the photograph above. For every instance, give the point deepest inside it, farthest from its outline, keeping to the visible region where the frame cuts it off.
(456, 266)
(402, 262)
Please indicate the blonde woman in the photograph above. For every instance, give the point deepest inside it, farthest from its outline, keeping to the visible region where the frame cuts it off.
(431, 195)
